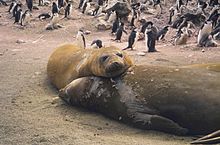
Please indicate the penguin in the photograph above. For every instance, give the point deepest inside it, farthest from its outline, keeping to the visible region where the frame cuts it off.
(68, 10)
(3, 3)
(135, 17)
(120, 32)
(80, 4)
(25, 17)
(18, 16)
(96, 44)
(213, 3)
(55, 8)
(112, 17)
(150, 39)
(204, 39)
(97, 11)
(214, 16)
(54, 21)
(16, 8)
(60, 3)
(181, 37)
(11, 7)
(132, 39)
(29, 4)
(146, 24)
(44, 16)
(216, 33)
(86, 8)
(80, 39)
(115, 26)
(172, 12)
(40, 2)
(179, 3)
(161, 34)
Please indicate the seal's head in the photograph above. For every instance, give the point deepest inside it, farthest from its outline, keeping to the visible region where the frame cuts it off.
(110, 62)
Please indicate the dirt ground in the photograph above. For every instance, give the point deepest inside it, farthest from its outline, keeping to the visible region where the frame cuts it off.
(30, 111)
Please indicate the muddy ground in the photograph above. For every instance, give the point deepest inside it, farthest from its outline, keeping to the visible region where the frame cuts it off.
(29, 108)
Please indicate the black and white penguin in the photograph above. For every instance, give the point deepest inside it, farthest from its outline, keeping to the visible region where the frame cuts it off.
(179, 3)
(11, 7)
(204, 39)
(80, 39)
(96, 44)
(86, 7)
(29, 4)
(115, 26)
(68, 10)
(16, 8)
(44, 16)
(80, 4)
(25, 17)
(214, 16)
(18, 16)
(135, 17)
(120, 32)
(40, 2)
(172, 12)
(150, 39)
(132, 39)
(213, 3)
(55, 8)
(161, 34)
(60, 3)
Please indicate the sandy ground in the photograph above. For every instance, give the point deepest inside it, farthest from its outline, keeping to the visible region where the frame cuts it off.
(30, 112)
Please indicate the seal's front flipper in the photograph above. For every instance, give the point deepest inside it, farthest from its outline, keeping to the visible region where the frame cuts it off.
(212, 138)
(156, 122)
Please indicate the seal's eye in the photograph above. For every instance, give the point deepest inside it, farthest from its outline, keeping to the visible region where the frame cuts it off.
(119, 54)
(104, 58)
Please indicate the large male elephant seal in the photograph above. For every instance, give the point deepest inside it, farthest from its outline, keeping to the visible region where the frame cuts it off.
(69, 62)
(177, 100)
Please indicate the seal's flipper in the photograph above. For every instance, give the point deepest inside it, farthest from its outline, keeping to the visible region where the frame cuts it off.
(156, 122)
(212, 138)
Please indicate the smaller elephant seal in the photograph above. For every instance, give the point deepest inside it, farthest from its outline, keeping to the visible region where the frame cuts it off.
(69, 62)
(178, 100)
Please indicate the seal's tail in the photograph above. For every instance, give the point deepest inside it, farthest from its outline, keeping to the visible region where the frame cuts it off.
(213, 138)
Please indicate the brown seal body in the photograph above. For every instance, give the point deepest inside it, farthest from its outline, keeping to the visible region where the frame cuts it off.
(69, 62)
(184, 100)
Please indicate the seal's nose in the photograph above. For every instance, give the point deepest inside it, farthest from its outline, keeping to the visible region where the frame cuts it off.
(116, 64)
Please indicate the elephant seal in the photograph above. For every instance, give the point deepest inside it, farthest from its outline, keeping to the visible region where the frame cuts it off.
(69, 62)
(177, 100)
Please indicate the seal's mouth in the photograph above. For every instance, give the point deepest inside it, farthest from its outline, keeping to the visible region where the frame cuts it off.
(115, 69)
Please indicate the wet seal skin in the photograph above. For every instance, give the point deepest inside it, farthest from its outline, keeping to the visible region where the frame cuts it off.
(178, 100)
(69, 62)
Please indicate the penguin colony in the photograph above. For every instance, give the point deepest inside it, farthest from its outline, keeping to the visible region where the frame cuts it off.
(200, 21)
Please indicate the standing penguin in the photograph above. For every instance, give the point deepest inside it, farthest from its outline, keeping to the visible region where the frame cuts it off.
(80, 39)
(86, 8)
(161, 34)
(25, 17)
(68, 10)
(55, 8)
(150, 39)
(96, 44)
(115, 26)
(119, 32)
(11, 7)
(16, 8)
(181, 37)
(29, 4)
(204, 39)
(80, 4)
(132, 39)
(179, 3)
(18, 16)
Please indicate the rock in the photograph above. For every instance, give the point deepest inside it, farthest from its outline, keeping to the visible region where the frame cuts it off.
(120, 6)
(35, 8)
(103, 25)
